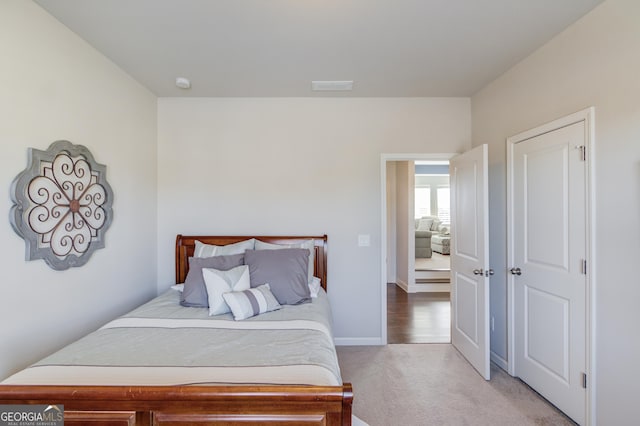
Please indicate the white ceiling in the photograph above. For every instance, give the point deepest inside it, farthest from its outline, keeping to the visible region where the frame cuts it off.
(277, 47)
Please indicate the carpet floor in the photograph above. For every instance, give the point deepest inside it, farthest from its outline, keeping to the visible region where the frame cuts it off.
(437, 261)
(434, 385)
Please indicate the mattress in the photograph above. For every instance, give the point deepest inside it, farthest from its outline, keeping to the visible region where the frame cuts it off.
(163, 343)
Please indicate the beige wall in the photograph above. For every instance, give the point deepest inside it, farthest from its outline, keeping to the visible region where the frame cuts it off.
(595, 62)
(296, 165)
(303, 166)
(57, 87)
(392, 245)
(404, 247)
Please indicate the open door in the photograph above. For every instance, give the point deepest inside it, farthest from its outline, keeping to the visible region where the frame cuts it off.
(470, 257)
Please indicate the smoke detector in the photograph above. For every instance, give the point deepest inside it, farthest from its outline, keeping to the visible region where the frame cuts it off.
(183, 83)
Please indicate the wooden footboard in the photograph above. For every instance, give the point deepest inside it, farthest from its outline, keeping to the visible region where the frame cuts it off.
(198, 405)
(190, 405)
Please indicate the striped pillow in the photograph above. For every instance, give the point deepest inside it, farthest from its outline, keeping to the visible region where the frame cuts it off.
(248, 303)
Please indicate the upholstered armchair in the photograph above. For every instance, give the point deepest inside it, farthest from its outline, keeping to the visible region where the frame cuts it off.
(425, 227)
(423, 244)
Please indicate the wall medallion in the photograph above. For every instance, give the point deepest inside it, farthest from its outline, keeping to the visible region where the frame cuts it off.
(62, 205)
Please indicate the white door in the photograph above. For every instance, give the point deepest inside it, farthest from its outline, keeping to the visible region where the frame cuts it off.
(470, 257)
(549, 265)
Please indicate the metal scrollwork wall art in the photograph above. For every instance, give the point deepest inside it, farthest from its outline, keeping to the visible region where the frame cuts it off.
(62, 205)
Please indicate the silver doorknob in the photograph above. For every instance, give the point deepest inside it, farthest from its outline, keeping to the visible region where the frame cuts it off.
(488, 272)
(516, 271)
(478, 272)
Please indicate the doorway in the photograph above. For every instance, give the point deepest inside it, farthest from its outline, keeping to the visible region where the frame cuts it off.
(470, 269)
(432, 213)
(416, 296)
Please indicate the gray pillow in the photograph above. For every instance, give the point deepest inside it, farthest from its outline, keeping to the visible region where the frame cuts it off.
(194, 294)
(285, 271)
(308, 244)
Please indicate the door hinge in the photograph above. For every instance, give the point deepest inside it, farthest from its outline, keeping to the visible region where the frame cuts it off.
(584, 267)
(584, 380)
(583, 152)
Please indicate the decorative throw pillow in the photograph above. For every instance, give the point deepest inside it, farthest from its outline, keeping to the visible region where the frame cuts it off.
(314, 287)
(194, 294)
(221, 282)
(425, 224)
(308, 244)
(285, 270)
(248, 303)
(210, 250)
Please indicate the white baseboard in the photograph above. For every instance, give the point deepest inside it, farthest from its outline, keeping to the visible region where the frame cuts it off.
(358, 422)
(357, 341)
(431, 288)
(436, 274)
(425, 287)
(403, 285)
(499, 361)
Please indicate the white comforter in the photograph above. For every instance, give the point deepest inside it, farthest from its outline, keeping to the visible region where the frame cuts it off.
(163, 343)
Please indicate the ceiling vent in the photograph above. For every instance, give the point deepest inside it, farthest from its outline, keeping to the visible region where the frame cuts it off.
(332, 86)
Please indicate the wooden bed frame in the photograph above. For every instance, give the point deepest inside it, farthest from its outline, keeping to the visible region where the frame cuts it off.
(198, 405)
(185, 246)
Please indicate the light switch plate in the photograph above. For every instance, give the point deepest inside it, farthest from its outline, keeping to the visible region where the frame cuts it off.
(364, 240)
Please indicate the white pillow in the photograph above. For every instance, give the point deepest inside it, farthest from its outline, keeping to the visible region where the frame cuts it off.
(308, 244)
(210, 250)
(178, 287)
(251, 302)
(314, 287)
(220, 282)
(425, 224)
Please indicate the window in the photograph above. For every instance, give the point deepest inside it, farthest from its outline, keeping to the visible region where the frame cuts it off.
(423, 202)
(432, 190)
(444, 211)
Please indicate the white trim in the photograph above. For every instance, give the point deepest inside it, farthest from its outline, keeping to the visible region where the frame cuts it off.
(424, 287)
(499, 361)
(431, 288)
(418, 157)
(358, 341)
(590, 134)
(355, 421)
(511, 348)
(588, 116)
(403, 285)
(383, 225)
(411, 227)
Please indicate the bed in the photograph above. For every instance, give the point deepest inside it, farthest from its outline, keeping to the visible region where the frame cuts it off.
(197, 393)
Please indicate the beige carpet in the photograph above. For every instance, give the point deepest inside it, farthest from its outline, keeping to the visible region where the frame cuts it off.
(437, 261)
(434, 385)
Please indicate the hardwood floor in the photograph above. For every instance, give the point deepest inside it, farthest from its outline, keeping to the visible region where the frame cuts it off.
(417, 317)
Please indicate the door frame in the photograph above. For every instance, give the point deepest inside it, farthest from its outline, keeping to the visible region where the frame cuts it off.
(384, 158)
(588, 116)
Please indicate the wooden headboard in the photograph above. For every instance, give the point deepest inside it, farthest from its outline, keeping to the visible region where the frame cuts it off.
(185, 246)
